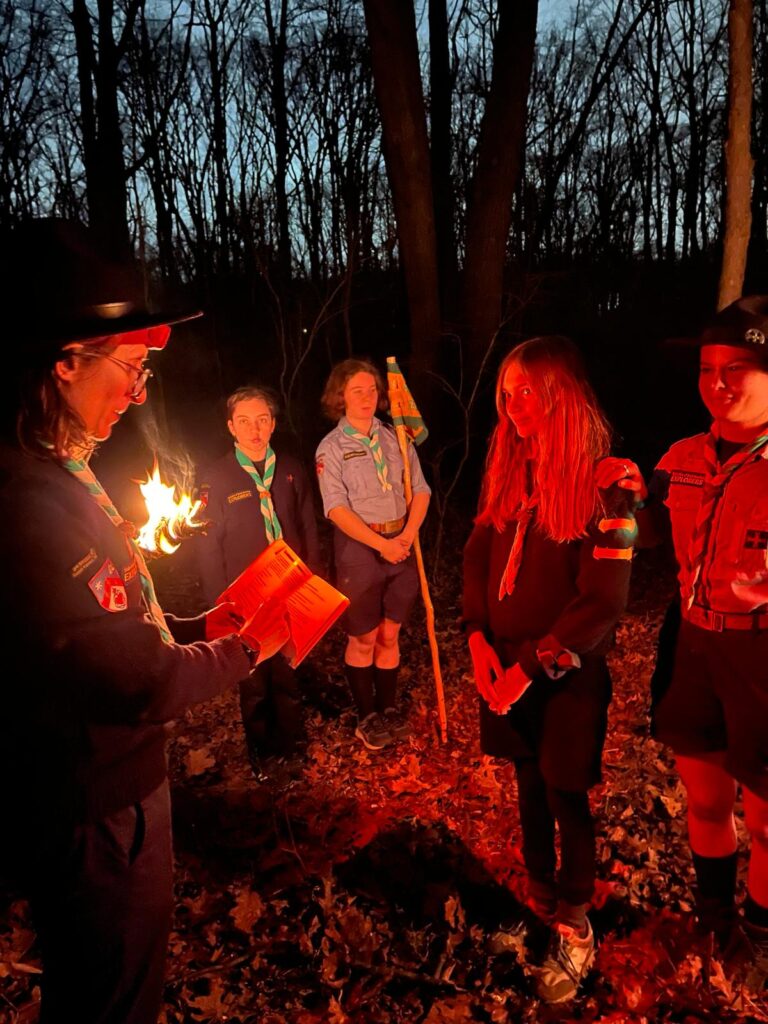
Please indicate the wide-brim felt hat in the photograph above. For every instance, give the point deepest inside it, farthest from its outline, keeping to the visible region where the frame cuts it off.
(742, 324)
(57, 286)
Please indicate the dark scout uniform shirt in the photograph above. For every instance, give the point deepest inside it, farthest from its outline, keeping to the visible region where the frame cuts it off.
(563, 591)
(346, 473)
(237, 533)
(81, 731)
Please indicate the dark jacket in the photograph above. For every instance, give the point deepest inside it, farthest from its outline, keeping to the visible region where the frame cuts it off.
(237, 535)
(571, 592)
(81, 729)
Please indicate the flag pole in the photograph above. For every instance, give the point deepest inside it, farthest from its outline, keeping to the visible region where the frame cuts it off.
(399, 409)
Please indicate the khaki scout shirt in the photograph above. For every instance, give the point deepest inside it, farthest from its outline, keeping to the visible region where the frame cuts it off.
(734, 572)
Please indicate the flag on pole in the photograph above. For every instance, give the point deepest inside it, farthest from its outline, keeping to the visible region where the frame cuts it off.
(402, 406)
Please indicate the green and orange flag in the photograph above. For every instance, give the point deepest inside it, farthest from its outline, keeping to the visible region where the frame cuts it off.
(402, 406)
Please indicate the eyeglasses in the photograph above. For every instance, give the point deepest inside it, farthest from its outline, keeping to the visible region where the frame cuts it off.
(143, 373)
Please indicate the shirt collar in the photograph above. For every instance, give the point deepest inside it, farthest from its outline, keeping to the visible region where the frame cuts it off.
(375, 424)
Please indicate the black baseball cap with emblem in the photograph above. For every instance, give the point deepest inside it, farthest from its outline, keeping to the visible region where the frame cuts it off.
(57, 287)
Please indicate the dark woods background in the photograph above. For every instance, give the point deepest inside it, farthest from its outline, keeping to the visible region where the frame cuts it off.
(237, 147)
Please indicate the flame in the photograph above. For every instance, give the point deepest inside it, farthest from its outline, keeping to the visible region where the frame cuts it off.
(169, 519)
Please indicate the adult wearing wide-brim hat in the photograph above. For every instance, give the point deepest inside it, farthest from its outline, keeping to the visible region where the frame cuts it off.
(710, 494)
(98, 668)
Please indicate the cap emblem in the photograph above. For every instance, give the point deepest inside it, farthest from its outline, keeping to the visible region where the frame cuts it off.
(754, 336)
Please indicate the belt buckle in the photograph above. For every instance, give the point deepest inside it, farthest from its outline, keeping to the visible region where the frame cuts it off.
(717, 622)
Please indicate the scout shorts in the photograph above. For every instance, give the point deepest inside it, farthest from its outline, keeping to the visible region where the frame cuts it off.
(376, 589)
(716, 700)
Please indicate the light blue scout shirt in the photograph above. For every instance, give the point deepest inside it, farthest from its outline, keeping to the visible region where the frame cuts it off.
(347, 476)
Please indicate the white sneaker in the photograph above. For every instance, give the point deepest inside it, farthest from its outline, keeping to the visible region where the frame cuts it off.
(569, 958)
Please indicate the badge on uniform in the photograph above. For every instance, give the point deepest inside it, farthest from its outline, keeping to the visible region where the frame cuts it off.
(108, 588)
(319, 467)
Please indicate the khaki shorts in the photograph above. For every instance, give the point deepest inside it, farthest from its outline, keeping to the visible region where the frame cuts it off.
(714, 699)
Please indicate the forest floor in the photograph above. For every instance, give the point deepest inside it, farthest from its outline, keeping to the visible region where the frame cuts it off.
(366, 890)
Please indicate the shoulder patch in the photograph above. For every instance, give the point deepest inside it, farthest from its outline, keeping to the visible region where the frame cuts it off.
(131, 571)
(319, 466)
(108, 588)
(84, 562)
(354, 455)
(238, 496)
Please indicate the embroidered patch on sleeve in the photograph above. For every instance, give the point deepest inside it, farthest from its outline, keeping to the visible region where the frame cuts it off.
(238, 496)
(319, 467)
(84, 562)
(108, 588)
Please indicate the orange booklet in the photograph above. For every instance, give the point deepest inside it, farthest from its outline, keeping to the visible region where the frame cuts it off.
(285, 606)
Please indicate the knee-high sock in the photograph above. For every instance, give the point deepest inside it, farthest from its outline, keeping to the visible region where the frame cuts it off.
(385, 680)
(361, 682)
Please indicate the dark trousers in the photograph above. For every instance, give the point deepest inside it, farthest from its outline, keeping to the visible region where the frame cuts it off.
(270, 705)
(102, 901)
(541, 806)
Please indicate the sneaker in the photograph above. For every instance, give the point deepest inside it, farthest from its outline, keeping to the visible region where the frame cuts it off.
(372, 732)
(396, 724)
(569, 958)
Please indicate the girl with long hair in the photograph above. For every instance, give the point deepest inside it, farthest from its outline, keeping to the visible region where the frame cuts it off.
(546, 575)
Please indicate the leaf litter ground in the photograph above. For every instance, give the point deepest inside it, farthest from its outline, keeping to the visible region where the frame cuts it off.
(368, 888)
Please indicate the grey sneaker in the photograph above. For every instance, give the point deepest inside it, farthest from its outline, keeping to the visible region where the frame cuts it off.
(396, 724)
(567, 962)
(372, 732)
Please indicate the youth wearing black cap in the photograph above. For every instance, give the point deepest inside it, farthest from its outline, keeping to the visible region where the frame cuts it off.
(710, 494)
(98, 669)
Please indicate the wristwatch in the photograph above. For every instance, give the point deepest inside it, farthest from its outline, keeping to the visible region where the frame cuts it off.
(252, 654)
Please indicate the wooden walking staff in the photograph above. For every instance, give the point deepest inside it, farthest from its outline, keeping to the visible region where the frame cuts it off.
(409, 424)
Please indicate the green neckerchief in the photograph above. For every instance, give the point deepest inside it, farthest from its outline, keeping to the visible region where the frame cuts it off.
(263, 485)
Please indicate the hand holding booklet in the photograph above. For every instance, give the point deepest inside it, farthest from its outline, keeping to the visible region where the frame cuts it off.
(284, 605)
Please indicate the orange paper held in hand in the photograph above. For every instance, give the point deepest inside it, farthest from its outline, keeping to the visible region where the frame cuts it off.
(285, 606)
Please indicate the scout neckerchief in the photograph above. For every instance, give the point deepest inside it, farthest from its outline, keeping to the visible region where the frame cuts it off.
(714, 483)
(82, 472)
(524, 515)
(373, 445)
(263, 484)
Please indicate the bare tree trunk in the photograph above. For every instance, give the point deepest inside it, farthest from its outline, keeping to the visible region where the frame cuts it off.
(102, 140)
(395, 60)
(440, 138)
(278, 51)
(738, 154)
(759, 244)
(499, 164)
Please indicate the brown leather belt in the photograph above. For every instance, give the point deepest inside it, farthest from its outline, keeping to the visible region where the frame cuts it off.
(705, 618)
(391, 526)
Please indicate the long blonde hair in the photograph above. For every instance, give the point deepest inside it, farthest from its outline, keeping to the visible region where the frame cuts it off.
(573, 436)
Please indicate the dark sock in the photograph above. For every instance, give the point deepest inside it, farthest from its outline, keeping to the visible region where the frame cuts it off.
(716, 877)
(574, 915)
(360, 681)
(716, 894)
(754, 913)
(385, 681)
